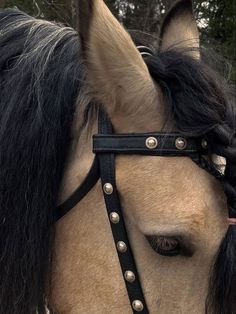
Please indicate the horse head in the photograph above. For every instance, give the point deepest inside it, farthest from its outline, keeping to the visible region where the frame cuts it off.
(162, 127)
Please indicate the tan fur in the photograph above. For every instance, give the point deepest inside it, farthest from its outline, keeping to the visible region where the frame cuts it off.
(182, 33)
(160, 196)
(117, 75)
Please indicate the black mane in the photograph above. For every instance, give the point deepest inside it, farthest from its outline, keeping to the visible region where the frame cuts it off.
(40, 78)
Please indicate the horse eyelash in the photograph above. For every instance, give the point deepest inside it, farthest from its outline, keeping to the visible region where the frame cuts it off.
(178, 248)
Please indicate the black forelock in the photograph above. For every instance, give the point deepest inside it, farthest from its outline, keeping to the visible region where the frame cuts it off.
(196, 96)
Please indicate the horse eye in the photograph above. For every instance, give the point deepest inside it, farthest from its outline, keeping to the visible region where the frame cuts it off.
(168, 246)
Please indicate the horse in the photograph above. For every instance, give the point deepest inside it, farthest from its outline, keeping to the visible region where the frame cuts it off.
(133, 148)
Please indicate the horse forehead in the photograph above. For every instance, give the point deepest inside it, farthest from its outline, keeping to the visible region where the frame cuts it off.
(170, 176)
(158, 191)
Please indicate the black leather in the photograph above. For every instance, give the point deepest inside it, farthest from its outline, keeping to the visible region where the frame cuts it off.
(136, 144)
(89, 182)
(127, 262)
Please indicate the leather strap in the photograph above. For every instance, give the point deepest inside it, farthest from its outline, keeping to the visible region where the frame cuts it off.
(89, 182)
(166, 144)
(113, 206)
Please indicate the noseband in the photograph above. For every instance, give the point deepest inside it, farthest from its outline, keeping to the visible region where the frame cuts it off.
(106, 145)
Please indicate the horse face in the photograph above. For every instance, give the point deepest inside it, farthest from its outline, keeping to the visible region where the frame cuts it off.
(175, 214)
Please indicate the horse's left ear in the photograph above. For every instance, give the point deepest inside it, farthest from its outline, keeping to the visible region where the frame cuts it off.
(116, 73)
(179, 29)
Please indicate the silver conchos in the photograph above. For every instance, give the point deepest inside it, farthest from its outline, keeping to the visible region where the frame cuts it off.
(121, 247)
(137, 305)
(108, 188)
(151, 142)
(180, 143)
(114, 218)
(129, 276)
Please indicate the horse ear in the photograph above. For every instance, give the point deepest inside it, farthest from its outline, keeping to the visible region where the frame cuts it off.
(116, 73)
(179, 29)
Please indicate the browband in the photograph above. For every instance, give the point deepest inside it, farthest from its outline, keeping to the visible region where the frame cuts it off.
(152, 144)
(157, 144)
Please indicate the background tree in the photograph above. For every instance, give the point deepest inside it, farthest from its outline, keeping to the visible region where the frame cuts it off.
(217, 21)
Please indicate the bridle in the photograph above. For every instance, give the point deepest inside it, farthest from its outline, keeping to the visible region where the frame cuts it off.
(106, 145)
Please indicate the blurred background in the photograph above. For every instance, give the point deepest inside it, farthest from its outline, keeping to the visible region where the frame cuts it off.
(216, 19)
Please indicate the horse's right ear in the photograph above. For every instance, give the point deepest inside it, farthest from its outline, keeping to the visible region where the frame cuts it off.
(116, 73)
(179, 29)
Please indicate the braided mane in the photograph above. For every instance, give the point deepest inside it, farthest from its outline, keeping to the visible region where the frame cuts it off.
(201, 103)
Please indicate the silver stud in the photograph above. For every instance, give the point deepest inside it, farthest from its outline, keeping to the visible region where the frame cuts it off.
(181, 143)
(151, 142)
(204, 144)
(129, 276)
(137, 305)
(114, 217)
(121, 247)
(108, 188)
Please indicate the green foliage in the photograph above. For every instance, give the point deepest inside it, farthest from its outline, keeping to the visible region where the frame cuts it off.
(217, 19)
(142, 15)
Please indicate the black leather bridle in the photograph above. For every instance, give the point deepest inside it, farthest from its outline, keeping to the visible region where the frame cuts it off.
(106, 145)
